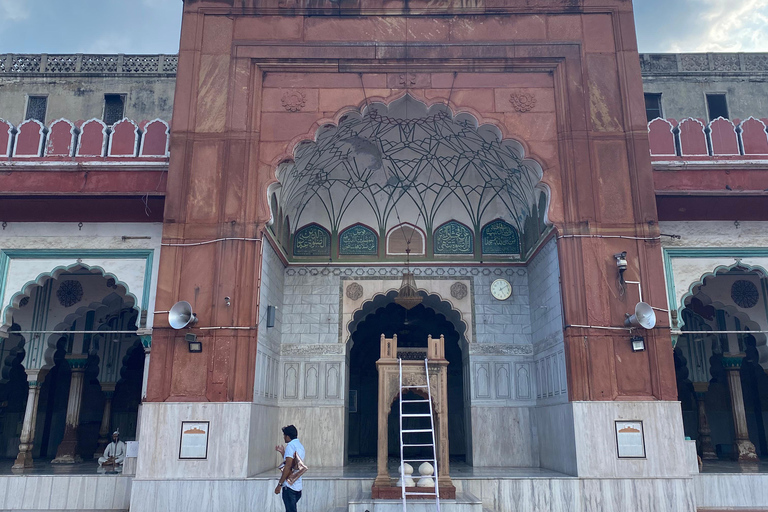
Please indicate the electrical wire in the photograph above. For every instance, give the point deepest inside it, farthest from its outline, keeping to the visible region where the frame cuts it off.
(212, 242)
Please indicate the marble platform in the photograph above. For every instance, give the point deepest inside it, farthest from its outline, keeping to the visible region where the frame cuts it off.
(464, 502)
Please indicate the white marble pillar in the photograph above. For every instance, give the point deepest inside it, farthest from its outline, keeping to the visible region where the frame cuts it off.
(108, 388)
(34, 381)
(743, 447)
(67, 451)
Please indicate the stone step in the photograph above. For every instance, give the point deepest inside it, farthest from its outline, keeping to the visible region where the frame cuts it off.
(464, 502)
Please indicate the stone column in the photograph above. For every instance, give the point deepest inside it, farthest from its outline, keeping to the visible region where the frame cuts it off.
(108, 388)
(67, 451)
(382, 448)
(743, 447)
(443, 476)
(34, 381)
(706, 447)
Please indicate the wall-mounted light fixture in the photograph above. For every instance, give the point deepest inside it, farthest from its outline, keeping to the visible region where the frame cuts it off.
(194, 344)
(271, 316)
(638, 343)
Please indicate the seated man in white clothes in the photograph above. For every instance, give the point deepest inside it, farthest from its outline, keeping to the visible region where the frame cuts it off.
(114, 455)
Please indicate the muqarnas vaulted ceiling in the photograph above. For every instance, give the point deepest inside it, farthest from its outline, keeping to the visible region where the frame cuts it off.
(441, 182)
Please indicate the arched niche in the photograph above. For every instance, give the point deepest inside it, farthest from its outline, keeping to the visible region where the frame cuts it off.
(358, 240)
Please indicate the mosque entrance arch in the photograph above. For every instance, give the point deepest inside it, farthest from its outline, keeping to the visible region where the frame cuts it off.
(382, 315)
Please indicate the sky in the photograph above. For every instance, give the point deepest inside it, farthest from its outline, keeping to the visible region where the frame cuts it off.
(152, 26)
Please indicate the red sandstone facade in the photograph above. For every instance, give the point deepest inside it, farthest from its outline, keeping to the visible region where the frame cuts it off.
(235, 120)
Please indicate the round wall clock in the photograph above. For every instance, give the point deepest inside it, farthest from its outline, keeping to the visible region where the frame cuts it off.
(501, 289)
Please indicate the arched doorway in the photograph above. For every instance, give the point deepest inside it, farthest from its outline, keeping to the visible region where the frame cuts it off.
(13, 392)
(383, 316)
(720, 363)
(81, 330)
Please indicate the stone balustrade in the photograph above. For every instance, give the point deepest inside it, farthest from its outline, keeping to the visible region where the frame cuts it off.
(92, 139)
(695, 139)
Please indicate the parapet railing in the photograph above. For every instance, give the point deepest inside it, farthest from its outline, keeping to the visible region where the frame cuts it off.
(697, 139)
(64, 139)
(82, 63)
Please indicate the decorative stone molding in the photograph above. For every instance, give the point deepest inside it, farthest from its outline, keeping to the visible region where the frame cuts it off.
(354, 291)
(522, 101)
(294, 101)
(488, 349)
(459, 290)
(328, 349)
(44, 63)
(407, 79)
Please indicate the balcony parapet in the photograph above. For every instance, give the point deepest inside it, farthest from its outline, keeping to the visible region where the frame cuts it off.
(64, 140)
(721, 140)
(87, 64)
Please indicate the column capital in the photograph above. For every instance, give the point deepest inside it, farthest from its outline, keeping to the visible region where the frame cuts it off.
(732, 361)
(76, 362)
(108, 388)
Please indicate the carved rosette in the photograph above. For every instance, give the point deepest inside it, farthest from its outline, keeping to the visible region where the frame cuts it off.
(406, 79)
(522, 101)
(354, 291)
(459, 290)
(294, 101)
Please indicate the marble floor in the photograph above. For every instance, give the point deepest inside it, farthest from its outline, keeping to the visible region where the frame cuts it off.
(89, 467)
(731, 466)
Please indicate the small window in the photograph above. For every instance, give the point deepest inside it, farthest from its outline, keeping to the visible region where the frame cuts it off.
(653, 106)
(36, 108)
(114, 108)
(717, 106)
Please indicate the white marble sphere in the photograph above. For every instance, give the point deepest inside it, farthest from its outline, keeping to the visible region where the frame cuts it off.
(408, 470)
(426, 471)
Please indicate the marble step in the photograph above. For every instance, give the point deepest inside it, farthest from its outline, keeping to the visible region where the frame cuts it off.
(464, 502)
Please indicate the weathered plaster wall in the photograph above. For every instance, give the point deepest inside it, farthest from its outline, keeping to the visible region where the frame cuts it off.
(82, 96)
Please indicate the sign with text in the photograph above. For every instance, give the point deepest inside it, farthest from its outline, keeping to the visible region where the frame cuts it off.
(630, 440)
(194, 440)
(131, 448)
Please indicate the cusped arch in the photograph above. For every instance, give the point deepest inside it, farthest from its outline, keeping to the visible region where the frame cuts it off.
(432, 300)
(719, 270)
(55, 273)
(346, 152)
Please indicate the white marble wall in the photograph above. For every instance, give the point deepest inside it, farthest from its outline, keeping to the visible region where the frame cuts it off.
(503, 437)
(65, 492)
(321, 431)
(729, 491)
(265, 433)
(230, 432)
(557, 438)
(267, 377)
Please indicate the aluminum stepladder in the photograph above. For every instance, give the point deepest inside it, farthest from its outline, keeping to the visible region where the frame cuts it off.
(430, 430)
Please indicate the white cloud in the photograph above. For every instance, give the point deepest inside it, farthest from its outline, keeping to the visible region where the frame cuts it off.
(14, 10)
(726, 26)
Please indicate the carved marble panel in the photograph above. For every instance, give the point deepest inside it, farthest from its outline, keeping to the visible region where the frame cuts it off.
(482, 385)
(523, 385)
(358, 240)
(502, 380)
(291, 380)
(333, 380)
(311, 381)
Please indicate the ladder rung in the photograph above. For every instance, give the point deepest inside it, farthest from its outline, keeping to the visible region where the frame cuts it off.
(418, 431)
(415, 401)
(410, 445)
(426, 415)
(414, 387)
(419, 460)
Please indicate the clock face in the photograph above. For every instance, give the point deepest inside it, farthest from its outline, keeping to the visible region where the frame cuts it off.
(501, 289)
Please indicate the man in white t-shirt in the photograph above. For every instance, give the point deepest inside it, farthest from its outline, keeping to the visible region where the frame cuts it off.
(291, 492)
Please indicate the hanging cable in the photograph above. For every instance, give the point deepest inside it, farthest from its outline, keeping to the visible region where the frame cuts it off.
(193, 244)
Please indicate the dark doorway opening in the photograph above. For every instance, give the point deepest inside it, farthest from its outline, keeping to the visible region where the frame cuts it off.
(412, 328)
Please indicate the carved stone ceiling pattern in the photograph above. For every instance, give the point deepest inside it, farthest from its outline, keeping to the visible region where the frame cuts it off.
(410, 161)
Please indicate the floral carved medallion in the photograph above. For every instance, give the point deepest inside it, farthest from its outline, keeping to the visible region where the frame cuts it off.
(354, 291)
(522, 101)
(294, 101)
(458, 290)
